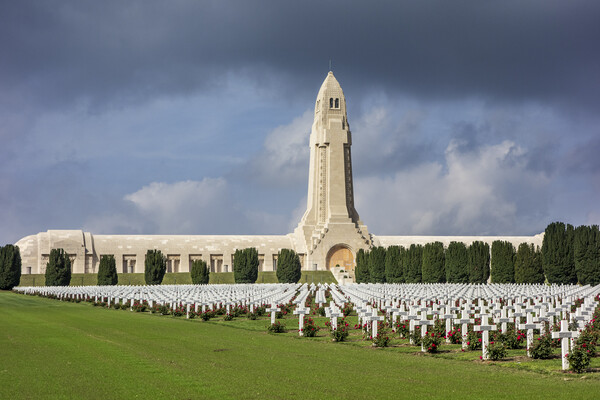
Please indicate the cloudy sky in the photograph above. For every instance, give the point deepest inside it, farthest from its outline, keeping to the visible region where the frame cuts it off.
(193, 117)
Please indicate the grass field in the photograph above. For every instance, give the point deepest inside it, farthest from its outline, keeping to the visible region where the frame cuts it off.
(53, 349)
(178, 278)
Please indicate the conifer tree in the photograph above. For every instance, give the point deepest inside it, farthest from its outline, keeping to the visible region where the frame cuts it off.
(155, 267)
(457, 263)
(393, 265)
(58, 269)
(558, 255)
(503, 262)
(479, 262)
(107, 271)
(199, 272)
(528, 264)
(377, 265)
(289, 269)
(10, 267)
(245, 265)
(586, 248)
(414, 259)
(361, 271)
(432, 267)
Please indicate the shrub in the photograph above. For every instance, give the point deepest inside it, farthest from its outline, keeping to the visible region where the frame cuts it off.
(381, 340)
(179, 311)
(163, 309)
(199, 272)
(252, 316)
(310, 328)
(10, 267)
(454, 336)
(579, 359)
(340, 334)
(402, 329)
(588, 340)
(228, 317)
(138, 306)
(107, 271)
(541, 348)
(58, 269)
(497, 351)
(321, 311)
(205, 316)
(155, 267)
(416, 336)
(511, 338)
(289, 269)
(474, 340)
(347, 309)
(432, 342)
(277, 327)
(377, 265)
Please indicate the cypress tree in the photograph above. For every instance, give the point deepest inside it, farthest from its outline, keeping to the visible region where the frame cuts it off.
(289, 269)
(107, 271)
(586, 247)
(361, 272)
(457, 263)
(377, 265)
(10, 267)
(503, 262)
(432, 267)
(528, 264)
(245, 265)
(479, 262)
(155, 267)
(393, 265)
(557, 253)
(199, 272)
(58, 269)
(414, 259)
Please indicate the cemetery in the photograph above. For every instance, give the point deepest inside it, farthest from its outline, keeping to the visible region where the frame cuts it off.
(496, 322)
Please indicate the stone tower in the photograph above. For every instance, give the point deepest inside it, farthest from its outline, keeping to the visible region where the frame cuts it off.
(331, 229)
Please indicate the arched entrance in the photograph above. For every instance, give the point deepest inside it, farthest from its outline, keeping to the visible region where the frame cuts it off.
(341, 255)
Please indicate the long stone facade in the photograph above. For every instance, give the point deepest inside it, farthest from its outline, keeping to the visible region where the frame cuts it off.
(327, 237)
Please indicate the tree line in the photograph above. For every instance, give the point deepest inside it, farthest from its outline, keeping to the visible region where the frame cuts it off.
(568, 255)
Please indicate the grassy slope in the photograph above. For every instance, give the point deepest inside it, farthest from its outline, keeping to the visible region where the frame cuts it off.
(51, 349)
(177, 278)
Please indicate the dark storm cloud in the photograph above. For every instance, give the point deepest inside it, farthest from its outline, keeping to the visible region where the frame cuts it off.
(109, 52)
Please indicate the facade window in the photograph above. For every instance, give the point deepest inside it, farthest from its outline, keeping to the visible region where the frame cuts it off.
(331, 102)
(216, 262)
(173, 262)
(337, 103)
(129, 264)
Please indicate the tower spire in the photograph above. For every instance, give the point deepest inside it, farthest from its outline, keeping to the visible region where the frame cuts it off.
(330, 212)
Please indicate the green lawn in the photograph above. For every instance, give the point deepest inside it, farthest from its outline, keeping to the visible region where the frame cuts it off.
(177, 278)
(53, 349)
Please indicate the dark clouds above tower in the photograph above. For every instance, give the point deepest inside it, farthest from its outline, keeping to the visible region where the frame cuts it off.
(107, 52)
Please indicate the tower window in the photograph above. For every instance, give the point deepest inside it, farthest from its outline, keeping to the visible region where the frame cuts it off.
(337, 103)
(331, 102)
